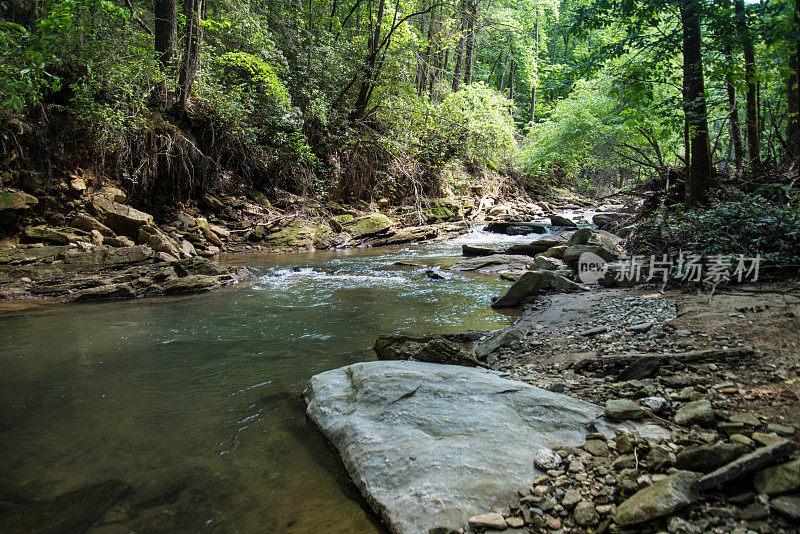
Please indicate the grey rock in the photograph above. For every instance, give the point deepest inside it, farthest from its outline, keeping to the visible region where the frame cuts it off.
(660, 499)
(498, 340)
(490, 520)
(86, 222)
(548, 264)
(678, 525)
(526, 286)
(657, 404)
(623, 409)
(515, 228)
(431, 349)
(585, 514)
(495, 264)
(787, 505)
(435, 444)
(758, 459)
(596, 447)
(559, 220)
(605, 219)
(698, 412)
(573, 253)
(120, 218)
(593, 331)
(13, 199)
(781, 478)
(546, 459)
(705, 458)
(474, 252)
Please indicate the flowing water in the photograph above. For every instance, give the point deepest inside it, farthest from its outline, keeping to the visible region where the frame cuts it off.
(195, 401)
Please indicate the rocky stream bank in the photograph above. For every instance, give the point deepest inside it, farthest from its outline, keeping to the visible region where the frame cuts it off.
(689, 423)
(81, 239)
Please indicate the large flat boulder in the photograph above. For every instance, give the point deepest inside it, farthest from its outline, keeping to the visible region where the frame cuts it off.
(431, 444)
(494, 264)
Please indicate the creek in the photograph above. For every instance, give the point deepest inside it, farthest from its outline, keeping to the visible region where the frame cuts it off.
(195, 401)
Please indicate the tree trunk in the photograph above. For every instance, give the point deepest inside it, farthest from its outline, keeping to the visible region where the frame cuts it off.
(793, 95)
(535, 80)
(736, 129)
(370, 74)
(191, 52)
(698, 179)
(460, 46)
(511, 81)
(165, 29)
(751, 107)
(469, 60)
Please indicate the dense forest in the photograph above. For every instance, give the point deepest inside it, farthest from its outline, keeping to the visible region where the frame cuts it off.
(368, 99)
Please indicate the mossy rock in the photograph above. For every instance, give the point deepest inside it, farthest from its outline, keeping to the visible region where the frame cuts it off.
(338, 221)
(42, 233)
(367, 225)
(300, 235)
(12, 199)
(441, 210)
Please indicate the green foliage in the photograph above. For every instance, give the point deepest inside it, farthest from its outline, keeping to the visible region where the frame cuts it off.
(582, 132)
(742, 224)
(23, 75)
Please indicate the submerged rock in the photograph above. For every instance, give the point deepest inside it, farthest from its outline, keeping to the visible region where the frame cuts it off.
(71, 512)
(435, 444)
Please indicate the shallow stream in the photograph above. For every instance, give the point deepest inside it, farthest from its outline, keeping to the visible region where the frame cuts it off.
(195, 401)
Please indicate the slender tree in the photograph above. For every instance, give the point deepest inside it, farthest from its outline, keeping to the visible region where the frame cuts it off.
(192, 9)
(698, 177)
(751, 106)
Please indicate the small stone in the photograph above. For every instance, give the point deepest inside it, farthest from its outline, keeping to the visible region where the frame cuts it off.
(696, 413)
(744, 440)
(766, 439)
(576, 466)
(604, 509)
(678, 525)
(746, 419)
(596, 447)
(623, 409)
(571, 498)
(515, 522)
(781, 430)
(490, 520)
(553, 522)
(585, 514)
(657, 404)
(593, 331)
(640, 327)
(546, 459)
(788, 505)
(778, 479)
(754, 512)
(625, 442)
